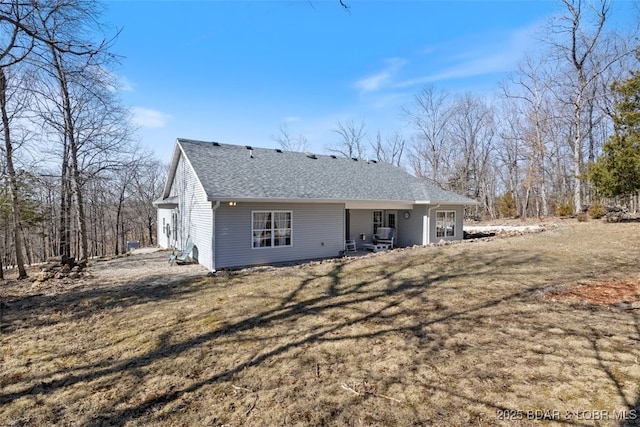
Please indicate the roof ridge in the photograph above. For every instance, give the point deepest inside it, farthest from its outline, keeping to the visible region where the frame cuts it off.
(280, 150)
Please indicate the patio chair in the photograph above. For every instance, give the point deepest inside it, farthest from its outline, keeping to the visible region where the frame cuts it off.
(350, 246)
(385, 235)
(182, 258)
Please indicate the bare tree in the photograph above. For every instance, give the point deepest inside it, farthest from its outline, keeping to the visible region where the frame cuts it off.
(82, 83)
(472, 135)
(134, 186)
(15, 45)
(351, 143)
(581, 43)
(510, 150)
(148, 186)
(391, 149)
(12, 175)
(430, 117)
(73, 106)
(529, 91)
(289, 143)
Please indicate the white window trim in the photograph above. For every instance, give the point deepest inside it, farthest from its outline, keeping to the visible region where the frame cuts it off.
(379, 223)
(272, 230)
(445, 212)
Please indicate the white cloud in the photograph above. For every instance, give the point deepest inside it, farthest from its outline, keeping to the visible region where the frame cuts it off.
(125, 85)
(474, 56)
(149, 118)
(373, 82)
(376, 81)
(473, 67)
(477, 56)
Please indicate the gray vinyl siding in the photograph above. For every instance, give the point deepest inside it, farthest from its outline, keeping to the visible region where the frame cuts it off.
(458, 233)
(411, 231)
(317, 232)
(361, 222)
(195, 214)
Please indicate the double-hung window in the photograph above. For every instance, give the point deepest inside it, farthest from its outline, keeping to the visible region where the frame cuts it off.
(445, 224)
(271, 229)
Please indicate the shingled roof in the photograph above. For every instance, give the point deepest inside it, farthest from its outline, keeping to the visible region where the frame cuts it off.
(234, 172)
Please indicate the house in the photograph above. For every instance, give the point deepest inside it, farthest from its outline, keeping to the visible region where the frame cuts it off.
(242, 206)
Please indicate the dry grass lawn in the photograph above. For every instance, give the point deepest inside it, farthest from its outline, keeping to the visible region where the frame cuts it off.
(466, 334)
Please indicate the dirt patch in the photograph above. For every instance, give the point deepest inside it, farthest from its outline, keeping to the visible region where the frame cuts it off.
(623, 294)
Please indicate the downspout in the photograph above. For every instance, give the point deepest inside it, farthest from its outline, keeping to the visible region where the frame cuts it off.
(214, 208)
(429, 222)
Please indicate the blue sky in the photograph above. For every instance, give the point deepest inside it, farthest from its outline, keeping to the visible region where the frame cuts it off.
(235, 71)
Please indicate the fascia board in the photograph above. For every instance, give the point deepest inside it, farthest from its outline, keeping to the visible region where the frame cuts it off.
(175, 158)
(397, 203)
(447, 203)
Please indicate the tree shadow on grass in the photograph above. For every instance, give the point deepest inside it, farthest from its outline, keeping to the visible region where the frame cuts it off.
(38, 310)
(359, 309)
(633, 408)
(147, 277)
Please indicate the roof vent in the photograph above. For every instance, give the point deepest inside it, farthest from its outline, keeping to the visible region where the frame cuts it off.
(278, 150)
(374, 161)
(333, 156)
(248, 147)
(355, 159)
(216, 144)
(311, 155)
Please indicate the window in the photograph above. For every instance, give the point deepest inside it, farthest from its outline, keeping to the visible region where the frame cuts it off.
(271, 229)
(174, 225)
(445, 224)
(377, 221)
(391, 219)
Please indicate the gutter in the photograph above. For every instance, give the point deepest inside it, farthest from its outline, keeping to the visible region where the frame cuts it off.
(429, 222)
(214, 208)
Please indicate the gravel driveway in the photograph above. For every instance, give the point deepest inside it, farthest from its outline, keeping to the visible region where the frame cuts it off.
(141, 267)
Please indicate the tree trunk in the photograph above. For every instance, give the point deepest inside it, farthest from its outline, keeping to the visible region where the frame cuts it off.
(70, 137)
(80, 208)
(13, 181)
(64, 247)
(119, 221)
(117, 233)
(150, 221)
(577, 162)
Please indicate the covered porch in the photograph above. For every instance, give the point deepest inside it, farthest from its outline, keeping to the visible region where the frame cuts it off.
(414, 224)
(363, 221)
